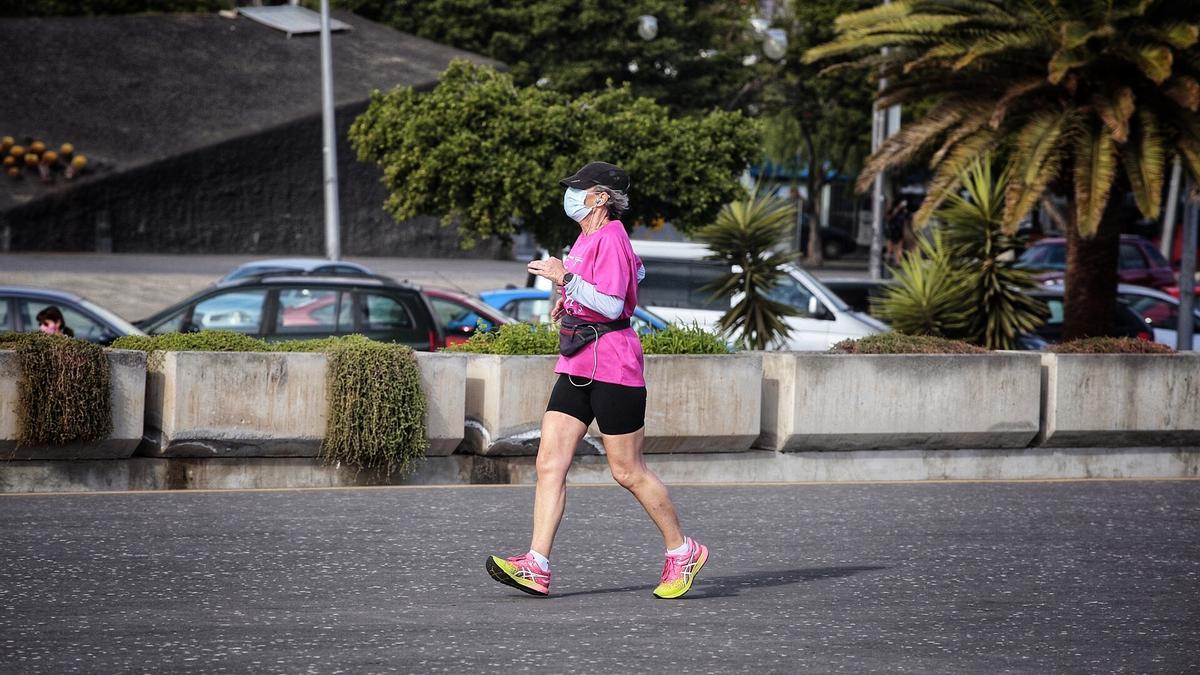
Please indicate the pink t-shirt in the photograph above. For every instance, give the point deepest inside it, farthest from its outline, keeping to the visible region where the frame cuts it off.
(605, 258)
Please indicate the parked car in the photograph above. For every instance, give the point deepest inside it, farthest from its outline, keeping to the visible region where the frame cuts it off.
(1126, 323)
(1159, 312)
(314, 266)
(676, 274)
(532, 305)
(1139, 262)
(461, 315)
(835, 242)
(19, 307)
(858, 293)
(283, 306)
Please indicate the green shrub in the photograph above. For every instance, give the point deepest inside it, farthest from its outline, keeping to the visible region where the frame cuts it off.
(512, 339)
(376, 404)
(63, 391)
(1110, 345)
(899, 343)
(677, 339)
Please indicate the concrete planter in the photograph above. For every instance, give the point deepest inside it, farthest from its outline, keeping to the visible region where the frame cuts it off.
(703, 403)
(1110, 400)
(816, 401)
(127, 396)
(695, 403)
(506, 397)
(213, 404)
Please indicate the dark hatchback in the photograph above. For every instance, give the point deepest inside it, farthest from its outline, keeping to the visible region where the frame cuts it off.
(288, 306)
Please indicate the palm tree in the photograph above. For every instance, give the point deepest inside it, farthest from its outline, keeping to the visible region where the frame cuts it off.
(1083, 97)
(748, 235)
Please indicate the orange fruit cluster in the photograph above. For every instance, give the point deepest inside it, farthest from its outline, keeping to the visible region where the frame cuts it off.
(38, 157)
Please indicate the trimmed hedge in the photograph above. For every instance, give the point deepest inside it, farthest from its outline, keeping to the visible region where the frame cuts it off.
(376, 404)
(899, 343)
(522, 339)
(1110, 345)
(63, 391)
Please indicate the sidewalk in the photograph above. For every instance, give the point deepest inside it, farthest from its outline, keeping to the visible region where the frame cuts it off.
(1089, 576)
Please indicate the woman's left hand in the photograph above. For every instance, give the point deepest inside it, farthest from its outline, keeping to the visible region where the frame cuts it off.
(550, 268)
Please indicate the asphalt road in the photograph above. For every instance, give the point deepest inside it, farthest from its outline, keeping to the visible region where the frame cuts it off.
(1080, 577)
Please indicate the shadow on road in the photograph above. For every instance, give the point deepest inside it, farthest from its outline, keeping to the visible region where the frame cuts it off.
(732, 585)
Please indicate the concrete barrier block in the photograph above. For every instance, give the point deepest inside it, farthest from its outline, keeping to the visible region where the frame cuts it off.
(1107, 400)
(703, 403)
(506, 397)
(818, 401)
(443, 377)
(127, 398)
(220, 404)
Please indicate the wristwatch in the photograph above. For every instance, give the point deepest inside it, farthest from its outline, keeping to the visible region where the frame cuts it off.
(567, 278)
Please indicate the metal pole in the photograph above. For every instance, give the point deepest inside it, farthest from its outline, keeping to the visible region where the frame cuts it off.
(878, 136)
(1168, 219)
(1187, 272)
(333, 244)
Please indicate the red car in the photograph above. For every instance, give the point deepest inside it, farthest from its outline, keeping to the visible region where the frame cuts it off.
(1139, 262)
(460, 314)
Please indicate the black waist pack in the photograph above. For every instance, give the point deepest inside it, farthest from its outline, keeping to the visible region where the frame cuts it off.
(575, 333)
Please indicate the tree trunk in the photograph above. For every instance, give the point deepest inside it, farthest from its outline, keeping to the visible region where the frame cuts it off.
(1091, 279)
(816, 255)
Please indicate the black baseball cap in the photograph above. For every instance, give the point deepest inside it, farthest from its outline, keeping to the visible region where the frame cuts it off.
(598, 173)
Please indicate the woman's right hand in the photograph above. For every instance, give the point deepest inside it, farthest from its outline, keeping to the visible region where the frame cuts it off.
(558, 311)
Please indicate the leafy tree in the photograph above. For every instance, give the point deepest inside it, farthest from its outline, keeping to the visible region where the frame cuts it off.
(819, 122)
(1083, 97)
(748, 234)
(487, 155)
(693, 65)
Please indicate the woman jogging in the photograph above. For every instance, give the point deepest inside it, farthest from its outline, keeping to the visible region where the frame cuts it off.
(599, 377)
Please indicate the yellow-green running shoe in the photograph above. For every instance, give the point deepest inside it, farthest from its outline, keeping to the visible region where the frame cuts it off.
(679, 571)
(521, 572)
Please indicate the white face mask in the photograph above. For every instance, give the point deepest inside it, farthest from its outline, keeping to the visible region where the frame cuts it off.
(574, 206)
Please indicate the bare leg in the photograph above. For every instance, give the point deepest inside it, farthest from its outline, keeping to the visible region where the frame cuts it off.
(629, 469)
(560, 434)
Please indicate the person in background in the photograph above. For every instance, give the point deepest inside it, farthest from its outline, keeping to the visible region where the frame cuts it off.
(50, 321)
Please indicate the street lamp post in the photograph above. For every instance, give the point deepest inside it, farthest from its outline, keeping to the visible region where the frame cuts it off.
(1187, 272)
(333, 244)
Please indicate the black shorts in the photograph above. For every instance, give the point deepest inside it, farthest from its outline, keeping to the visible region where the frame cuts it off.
(616, 408)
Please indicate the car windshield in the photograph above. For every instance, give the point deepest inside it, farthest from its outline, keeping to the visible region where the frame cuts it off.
(1050, 256)
(112, 319)
(833, 298)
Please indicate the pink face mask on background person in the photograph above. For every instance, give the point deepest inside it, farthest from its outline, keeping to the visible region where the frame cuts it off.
(49, 328)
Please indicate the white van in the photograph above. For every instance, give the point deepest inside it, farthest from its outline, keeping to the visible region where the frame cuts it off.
(676, 273)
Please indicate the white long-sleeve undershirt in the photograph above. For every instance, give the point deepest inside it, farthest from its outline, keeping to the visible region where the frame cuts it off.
(585, 293)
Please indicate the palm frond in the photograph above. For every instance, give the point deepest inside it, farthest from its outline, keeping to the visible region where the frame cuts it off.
(911, 138)
(1016, 91)
(1115, 110)
(1144, 158)
(947, 175)
(1184, 90)
(1095, 169)
(1036, 160)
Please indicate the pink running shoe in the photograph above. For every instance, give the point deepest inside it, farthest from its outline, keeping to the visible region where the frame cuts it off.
(521, 572)
(679, 571)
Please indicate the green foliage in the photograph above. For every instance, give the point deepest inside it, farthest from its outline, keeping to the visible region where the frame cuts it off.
(932, 295)
(487, 155)
(63, 390)
(677, 339)
(522, 339)
(1064, 88)
(1110, 345)
(999, 306)
(693, 65)
(745, 234)
(512, 339)
(376, 404)
(899, 343)
(15, 8)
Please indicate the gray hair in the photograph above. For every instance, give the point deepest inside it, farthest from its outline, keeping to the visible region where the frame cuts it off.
(618, 201)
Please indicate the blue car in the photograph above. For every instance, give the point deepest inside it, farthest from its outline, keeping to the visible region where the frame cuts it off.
(532, 305)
